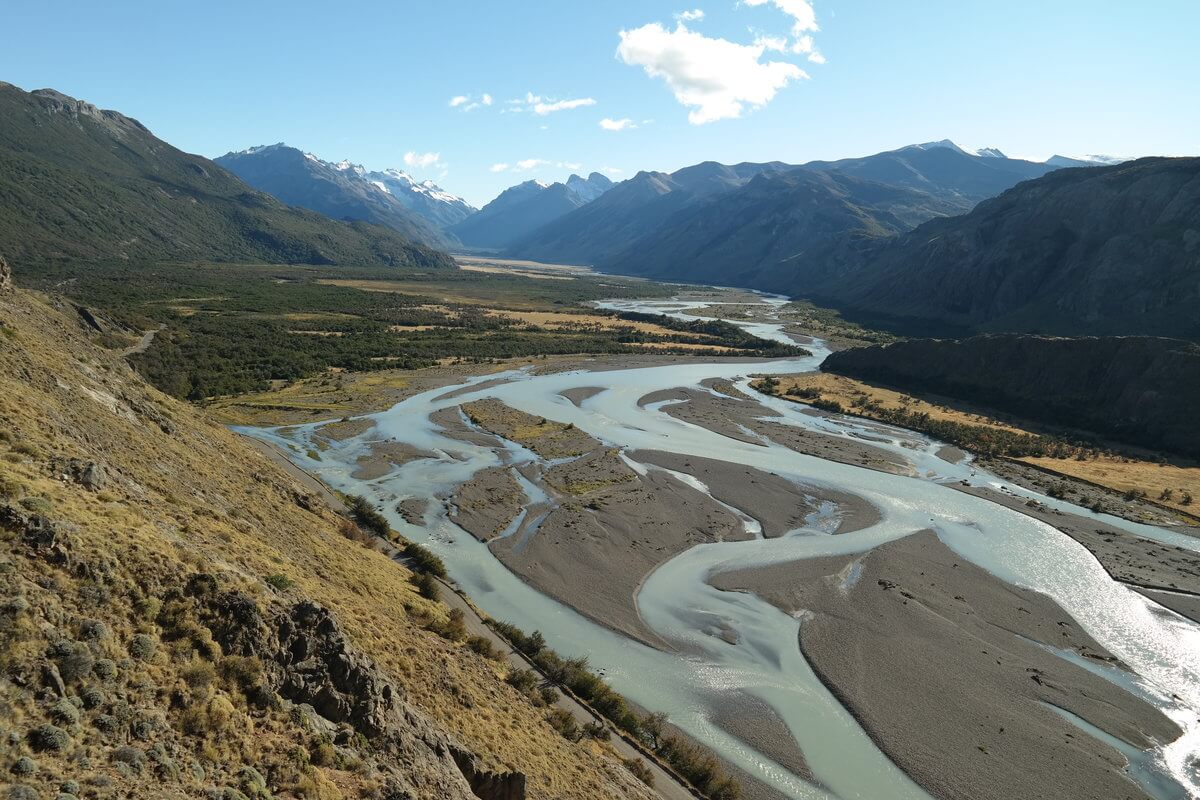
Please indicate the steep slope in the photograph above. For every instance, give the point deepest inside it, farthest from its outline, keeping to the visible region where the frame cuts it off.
(1137, 389)
(348, 191)
(633, 209)
(77, 182)
(527, 207)
(941, 169)
(760, 234)
(1103, 250)
(180, 619)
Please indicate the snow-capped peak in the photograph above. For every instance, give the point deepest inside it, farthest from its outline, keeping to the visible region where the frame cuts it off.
(989, 152)
(944, 144)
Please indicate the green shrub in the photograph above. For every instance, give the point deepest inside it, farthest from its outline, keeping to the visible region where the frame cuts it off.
(279, 582)
(564, 722)
(484, 647)
(639, 770)
(523, 680)
(368, 516)
(142, 647)
(424, 560)
(48, 738)
(427, 585)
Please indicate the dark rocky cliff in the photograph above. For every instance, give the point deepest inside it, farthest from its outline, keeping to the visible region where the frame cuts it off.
(1136, 389)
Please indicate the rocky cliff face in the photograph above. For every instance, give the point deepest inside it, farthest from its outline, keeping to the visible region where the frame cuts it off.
(1106, 250)
(1137, 389)
(6, 285)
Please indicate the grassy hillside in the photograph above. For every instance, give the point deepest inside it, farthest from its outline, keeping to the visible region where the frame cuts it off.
(77, 182)
(146, 553)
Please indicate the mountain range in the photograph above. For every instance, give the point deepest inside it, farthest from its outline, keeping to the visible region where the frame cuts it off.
(729, 224)
(526, 207)
(78, 182)
(342, 190)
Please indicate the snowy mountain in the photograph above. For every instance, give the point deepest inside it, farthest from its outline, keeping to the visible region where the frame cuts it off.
(345, 190)
(1085, 161)
(523, 208)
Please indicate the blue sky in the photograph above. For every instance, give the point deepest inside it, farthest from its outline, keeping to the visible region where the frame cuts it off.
(373, 81)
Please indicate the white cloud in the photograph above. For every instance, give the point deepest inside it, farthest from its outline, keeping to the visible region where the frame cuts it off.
(501, 167)
(804, 19)
(467, 102)
(612, 170)
(545, 107)
(423, 160)
(695, 15)
(804, 23)
(527, 164)
(776, 44)
(617, 124)
(716, 78)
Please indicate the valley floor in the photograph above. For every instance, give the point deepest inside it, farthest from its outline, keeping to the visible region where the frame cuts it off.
(590, 525)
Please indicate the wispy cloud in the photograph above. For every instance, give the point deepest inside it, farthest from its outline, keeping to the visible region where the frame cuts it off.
(715, 78)
(549, 107)
(695, 15)
(617, 124)
(527, 164)
(423, 160)
(612, 170)
(542, 106)
(534, 164)
(467, 102)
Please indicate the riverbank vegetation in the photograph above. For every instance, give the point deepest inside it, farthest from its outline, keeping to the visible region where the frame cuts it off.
(696, 764)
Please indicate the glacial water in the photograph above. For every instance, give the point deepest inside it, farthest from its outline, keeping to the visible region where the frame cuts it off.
(677, 602)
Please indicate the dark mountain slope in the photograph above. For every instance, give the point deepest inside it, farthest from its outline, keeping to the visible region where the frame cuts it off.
(77, 182)
(635, 208)
(761, 234)
(1137, 389)
(527, 207)
(1102, 250)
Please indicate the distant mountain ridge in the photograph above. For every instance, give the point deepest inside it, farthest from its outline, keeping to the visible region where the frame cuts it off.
(78, 182)
(692, 224)
(343, 190)
(1100, 251)
(526, 207)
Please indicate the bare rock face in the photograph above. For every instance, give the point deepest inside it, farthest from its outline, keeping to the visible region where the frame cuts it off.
(6, 284)
(310, 663)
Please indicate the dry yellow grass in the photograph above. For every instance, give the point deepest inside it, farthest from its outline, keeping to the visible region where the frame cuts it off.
(564, 320)
(847, 390)
(524, 273)
(1132, 475)
(198, 498)
(1119, 474)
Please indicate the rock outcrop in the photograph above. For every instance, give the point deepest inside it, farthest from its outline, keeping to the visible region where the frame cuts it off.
(6, 284)
(309, 662)
(1136, 389)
